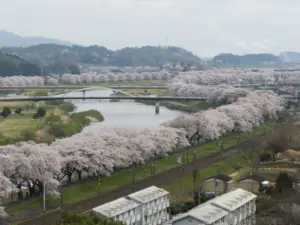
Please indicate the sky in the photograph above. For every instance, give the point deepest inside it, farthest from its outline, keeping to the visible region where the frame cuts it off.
(205, 27)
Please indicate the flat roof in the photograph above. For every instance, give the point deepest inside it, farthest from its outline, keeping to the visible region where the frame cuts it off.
(233, 199)
(116, 207)
(148, 194)
(208, 213)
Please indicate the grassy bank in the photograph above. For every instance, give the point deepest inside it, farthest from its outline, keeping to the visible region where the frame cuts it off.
(87, 189)
(55, 124)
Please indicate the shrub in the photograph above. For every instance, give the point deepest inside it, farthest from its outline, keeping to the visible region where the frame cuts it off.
(67, 107)
(265, 156)
(18, 111)
(88, 219)
(6, 112)
(41, 112)
(283, 181)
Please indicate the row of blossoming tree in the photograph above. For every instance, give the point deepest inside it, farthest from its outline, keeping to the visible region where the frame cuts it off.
(213, 76)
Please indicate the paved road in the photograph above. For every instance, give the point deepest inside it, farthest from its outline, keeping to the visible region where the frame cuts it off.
(160, 180)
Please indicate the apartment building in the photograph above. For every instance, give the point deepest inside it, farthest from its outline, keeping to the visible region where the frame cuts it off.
(122, 209)
(146, 207)
(236, 207)
(154, 203)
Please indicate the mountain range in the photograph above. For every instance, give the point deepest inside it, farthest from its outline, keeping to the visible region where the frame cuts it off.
(9, 39)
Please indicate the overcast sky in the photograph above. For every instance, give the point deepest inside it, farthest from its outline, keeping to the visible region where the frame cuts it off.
(205, 27)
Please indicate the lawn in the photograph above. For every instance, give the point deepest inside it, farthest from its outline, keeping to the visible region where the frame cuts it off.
(13, 126)
(87, 189)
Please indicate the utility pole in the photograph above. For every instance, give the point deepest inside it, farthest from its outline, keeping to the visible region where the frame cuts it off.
(222, 149)
(194, 175)
(216, 175)
(152, 163)
(133, 180)
(44, 196)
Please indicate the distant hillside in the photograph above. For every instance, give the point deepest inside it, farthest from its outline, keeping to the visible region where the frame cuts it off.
(46, 54)
(8, 39)
(248, 59)
(289, 56)
(13, 65)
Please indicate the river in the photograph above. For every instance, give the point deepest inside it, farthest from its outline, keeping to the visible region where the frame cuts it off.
(122, 113)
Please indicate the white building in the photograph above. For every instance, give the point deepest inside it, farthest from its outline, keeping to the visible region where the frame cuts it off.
(236, 207)
(122, 209)
(145, 207)
(154, 203)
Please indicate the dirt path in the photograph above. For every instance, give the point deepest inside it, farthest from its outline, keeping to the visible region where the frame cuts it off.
(160, 180)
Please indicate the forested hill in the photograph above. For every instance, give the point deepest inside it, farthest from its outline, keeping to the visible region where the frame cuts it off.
(248, 59)
(13, 65)
(46, 54)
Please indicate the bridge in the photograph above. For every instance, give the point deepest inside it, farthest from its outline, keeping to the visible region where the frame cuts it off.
(83, 97)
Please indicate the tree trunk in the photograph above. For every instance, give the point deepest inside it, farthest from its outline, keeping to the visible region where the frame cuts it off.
(69, 177)
(79, 173)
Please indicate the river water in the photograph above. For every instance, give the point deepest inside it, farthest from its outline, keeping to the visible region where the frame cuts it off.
(122, 113)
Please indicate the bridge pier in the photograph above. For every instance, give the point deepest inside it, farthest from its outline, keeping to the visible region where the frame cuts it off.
(83, 94)
(157, 107)
(22, 91)
(52, 92)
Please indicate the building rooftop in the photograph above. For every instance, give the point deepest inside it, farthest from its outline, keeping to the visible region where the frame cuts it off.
(256, 177)
(220, 176)
(233, 199)
(148, 194)
(116, 207)
(208, 213)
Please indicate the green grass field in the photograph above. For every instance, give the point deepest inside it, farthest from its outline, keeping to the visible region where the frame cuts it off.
(87, 189)
(13, 126)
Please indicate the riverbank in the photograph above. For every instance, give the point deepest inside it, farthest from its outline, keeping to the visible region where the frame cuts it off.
(57, 121)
